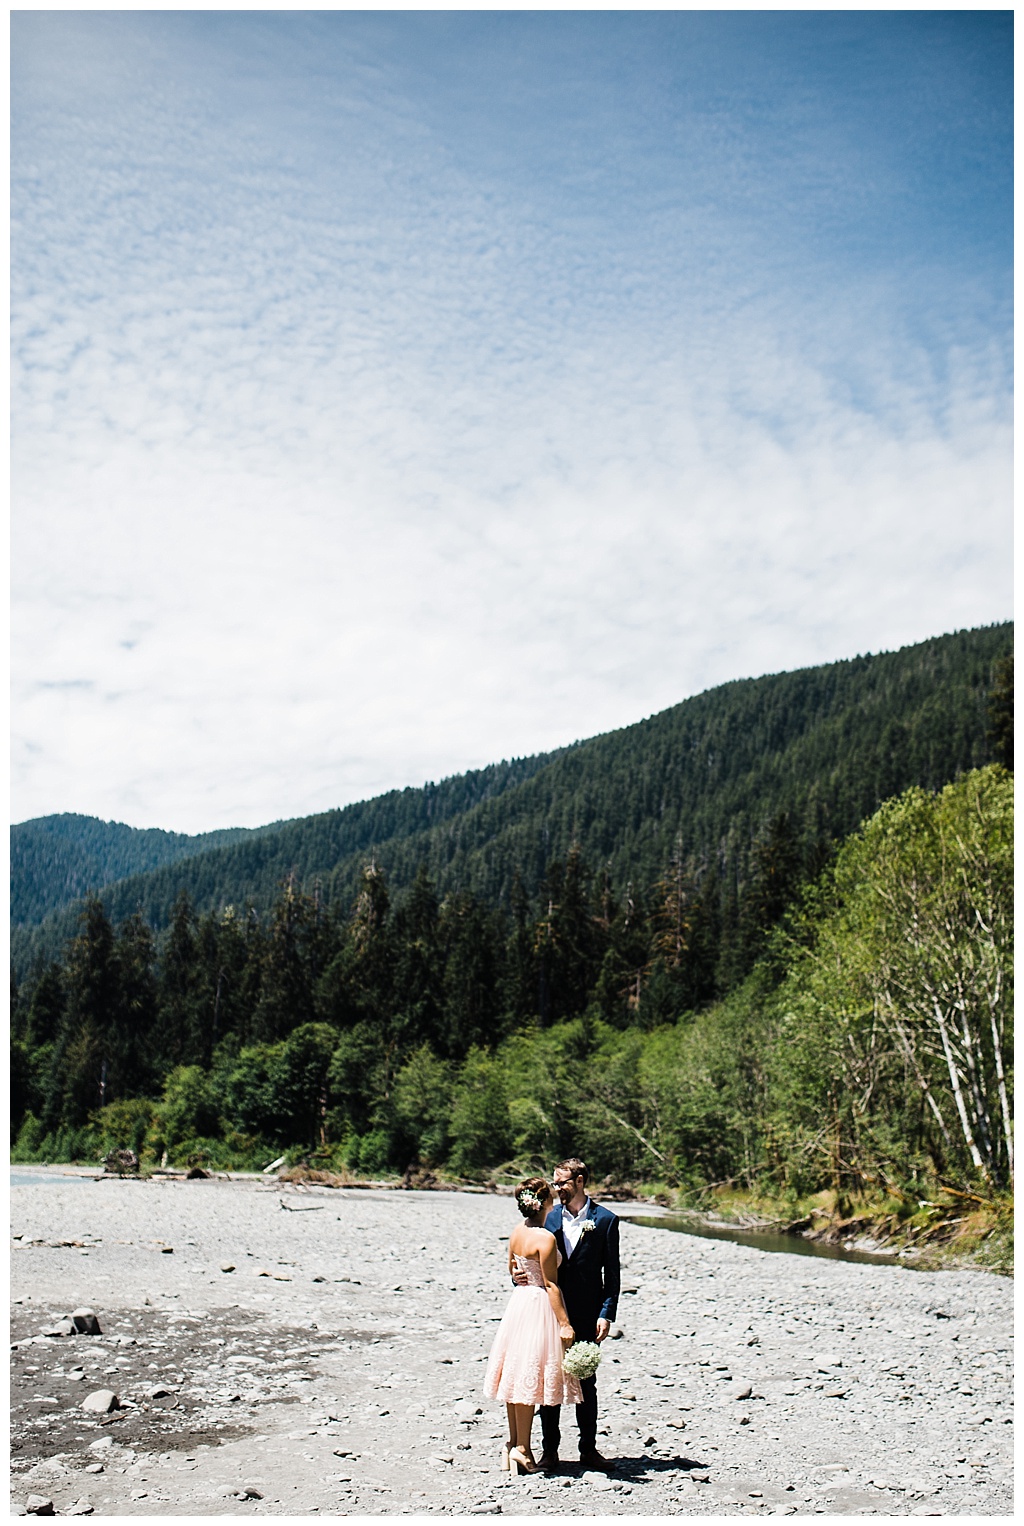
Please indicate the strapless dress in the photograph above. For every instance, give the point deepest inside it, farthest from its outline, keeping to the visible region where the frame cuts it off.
(525, 1364)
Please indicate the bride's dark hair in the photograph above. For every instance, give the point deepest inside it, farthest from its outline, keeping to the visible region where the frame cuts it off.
(531, 1194)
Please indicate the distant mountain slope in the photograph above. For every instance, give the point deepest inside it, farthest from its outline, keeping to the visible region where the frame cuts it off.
(52, 852)
(826, 744)
(57, 859)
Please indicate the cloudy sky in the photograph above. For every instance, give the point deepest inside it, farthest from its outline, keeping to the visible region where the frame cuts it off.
(394, 393)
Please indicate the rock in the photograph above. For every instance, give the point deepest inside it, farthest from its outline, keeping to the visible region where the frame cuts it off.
(38, 1504)
(159, 1391)
(741, 1390)
(76, 1376)
(251, 1493)
(65, 1326)
(80, 1507)
(651, 1441)
(227, 1266)
(94, 1467)
(491, 1507)
(103, 1444)
(167, 1250)
(85, 1322)
(616, 1333)
(102, 1402)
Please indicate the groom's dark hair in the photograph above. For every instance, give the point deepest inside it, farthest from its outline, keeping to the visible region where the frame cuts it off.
(575, 1167)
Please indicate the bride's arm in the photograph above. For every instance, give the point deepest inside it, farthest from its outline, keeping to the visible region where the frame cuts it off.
(549, 1266)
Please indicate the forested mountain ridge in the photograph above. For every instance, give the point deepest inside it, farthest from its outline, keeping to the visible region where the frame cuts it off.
(58, 859)
(699, 783)
(118, 861)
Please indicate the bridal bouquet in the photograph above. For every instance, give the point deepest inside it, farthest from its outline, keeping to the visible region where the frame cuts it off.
(582, 1360)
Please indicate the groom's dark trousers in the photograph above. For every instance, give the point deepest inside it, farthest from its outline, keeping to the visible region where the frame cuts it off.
(589, 1283)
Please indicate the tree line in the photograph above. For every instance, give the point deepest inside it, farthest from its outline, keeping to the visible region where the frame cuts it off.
(824, 1024)
(823, 746)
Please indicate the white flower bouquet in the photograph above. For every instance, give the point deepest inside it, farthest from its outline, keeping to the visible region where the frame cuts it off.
(582, 1360)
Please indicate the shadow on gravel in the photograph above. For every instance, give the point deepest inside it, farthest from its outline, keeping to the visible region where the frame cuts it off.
(633, 1469)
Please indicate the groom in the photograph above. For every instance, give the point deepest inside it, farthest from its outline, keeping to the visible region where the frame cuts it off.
(588, 1238)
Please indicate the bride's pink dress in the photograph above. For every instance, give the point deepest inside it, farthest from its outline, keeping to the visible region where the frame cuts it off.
(525, 1364)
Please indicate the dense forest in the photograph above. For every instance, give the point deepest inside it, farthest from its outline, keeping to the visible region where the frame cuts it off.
(699, 783)
(842, 1016)
(56, 860)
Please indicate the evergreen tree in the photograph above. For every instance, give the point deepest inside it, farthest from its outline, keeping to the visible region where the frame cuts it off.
(290, 966)
(130, 1030)
(46, 1008)
(180, 1038)
(567, 939)
(77, 1082)
(1000, 713)
(522, 976)
(417, 979)
(777, 872)
(474, 975)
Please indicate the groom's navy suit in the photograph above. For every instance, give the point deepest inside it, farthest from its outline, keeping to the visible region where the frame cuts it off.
(589, 1283)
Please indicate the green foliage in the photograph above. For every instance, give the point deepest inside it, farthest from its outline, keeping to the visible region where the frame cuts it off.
(423, 1089)
(120, 1125)
(1000, 713)
(779, 1013)
(481, 1126)
(706, 778)
(187, 1109)
(56, 860)
(901, 1007)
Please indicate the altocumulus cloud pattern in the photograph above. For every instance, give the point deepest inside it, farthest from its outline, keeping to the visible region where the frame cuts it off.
(397, 392)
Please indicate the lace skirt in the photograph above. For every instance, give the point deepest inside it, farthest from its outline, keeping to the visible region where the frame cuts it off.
(525, 1364)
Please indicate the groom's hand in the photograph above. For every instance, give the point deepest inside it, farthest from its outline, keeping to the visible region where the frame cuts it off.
(603, 1328)
(519, 1277)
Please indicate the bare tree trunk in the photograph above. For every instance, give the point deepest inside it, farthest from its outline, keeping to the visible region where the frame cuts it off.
(1004, 1104)
(922, 1082)
(645, 1142)
(958, 1096)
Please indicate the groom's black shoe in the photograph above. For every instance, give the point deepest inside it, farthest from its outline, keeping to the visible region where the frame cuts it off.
(548, 1462)
(593, 1462)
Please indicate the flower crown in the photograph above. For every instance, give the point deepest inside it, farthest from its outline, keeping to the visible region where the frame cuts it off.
(528, 1200)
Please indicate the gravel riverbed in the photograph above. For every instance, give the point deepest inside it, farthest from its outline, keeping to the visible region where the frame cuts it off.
(293, 1351)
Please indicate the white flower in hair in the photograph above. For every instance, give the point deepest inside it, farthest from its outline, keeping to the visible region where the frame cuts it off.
(530, 1201)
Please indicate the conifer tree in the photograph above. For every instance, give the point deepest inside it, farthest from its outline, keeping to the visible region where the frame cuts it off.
(77, 1082)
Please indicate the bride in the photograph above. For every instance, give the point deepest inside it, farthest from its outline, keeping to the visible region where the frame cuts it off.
(525, 1365)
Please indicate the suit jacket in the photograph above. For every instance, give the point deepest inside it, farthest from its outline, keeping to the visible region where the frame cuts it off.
(589, 1278)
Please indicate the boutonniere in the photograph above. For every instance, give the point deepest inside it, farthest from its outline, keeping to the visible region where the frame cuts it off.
(587, 1226)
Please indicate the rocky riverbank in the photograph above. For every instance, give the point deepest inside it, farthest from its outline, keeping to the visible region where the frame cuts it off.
(286, 1349)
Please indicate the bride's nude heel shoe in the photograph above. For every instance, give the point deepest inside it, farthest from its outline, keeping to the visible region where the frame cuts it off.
(506, 1449)
(519, 1462)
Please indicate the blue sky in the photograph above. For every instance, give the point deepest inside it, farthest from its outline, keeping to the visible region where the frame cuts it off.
(397, 392)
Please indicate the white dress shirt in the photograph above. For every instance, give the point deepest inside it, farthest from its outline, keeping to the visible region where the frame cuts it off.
(572, 1226)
